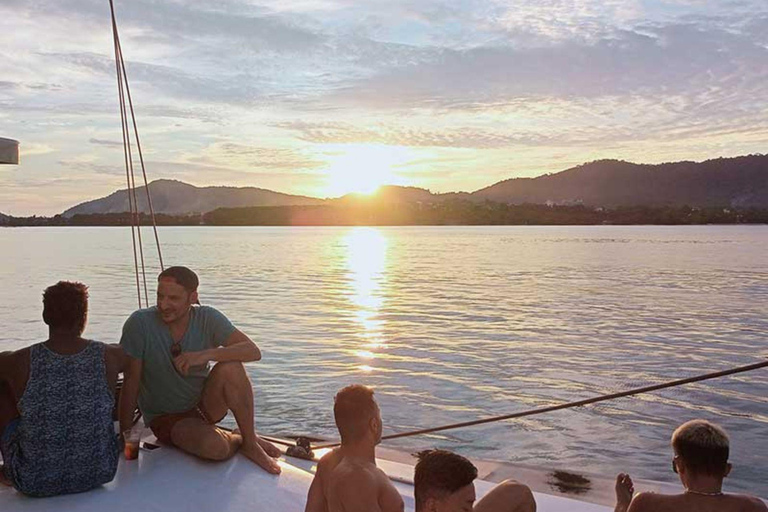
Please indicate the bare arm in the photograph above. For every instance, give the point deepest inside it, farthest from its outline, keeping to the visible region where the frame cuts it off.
(6, 365)
(115, 359)
(316, 497)
(14, 370)
(130, 393)
(237, 347)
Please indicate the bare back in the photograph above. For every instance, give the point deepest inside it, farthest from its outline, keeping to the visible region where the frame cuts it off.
(650, 502)
(345, 484)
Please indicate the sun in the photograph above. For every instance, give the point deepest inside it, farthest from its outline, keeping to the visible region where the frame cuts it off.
(362, 168)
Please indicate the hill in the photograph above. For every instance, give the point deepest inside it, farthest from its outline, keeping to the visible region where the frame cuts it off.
(177, 198)
(723, 182)
(740, 182)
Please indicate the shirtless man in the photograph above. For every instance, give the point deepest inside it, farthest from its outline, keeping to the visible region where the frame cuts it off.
(347, 479)
(443, 482)
(701, 461)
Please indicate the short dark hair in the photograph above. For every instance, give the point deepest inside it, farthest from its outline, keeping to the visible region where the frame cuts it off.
(439, 473)
(183, 276)
(353, 408)
(703, 447)
(65, 306)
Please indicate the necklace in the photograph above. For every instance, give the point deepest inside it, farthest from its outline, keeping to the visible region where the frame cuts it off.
(700, 493)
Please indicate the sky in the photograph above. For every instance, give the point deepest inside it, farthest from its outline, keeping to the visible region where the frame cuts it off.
(325, 97)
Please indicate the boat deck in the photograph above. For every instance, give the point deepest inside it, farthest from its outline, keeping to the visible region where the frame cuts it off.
(164, 480)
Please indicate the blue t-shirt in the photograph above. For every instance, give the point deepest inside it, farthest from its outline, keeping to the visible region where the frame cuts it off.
(163, 389)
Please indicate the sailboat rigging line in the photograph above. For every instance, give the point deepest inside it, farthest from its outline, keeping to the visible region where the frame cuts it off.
(141, 154)
(132, 189)
(126, 146)
(124, 91)
(570, 405)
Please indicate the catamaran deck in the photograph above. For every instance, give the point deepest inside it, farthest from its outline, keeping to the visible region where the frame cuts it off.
(165, 479)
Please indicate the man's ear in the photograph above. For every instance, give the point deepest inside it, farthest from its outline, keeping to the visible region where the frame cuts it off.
(728, 468)
(430, 505)
(194, 298)
(373, 424)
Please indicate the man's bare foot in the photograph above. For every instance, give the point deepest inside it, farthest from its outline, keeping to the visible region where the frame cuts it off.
(624, 491)
(257, 454)
(272, 450)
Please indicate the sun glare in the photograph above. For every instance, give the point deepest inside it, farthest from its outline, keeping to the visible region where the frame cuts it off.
(367, 262)
(362, 168)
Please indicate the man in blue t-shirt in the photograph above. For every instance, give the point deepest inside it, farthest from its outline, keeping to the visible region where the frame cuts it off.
(169, 348)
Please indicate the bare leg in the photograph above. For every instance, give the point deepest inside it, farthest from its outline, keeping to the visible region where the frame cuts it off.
(204, 440)
(624, 491)
(508, 496)
(228, 388)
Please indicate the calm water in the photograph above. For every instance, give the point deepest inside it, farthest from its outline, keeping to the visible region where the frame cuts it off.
(452, 324)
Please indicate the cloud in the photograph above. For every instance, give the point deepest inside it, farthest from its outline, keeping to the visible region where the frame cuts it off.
(243, 156)
(108, 143)
(458, 137)
(659, 60)
(255, 93)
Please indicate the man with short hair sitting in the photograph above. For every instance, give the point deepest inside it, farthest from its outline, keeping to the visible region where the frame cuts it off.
(169, 349)
(701, 461)
(443, 482)
(347, 479)
(56, 403)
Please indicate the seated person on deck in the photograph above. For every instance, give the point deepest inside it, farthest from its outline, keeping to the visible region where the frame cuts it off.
(56, 403)
(169, 347)
(701, 461)
(443, 482)
(347, 479)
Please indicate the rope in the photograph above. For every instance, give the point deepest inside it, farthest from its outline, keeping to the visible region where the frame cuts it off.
(570, 405)
(126, 146)
(136, 215)
(124, 91)
(141, 158)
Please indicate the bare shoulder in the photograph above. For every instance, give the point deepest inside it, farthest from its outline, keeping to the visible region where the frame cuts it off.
(648, 501)
(750, 503)
(329, 461)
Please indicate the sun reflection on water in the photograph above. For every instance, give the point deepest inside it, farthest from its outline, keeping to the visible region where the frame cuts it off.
(366, 262)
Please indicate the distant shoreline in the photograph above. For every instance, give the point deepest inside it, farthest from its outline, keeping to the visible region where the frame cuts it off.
(449, 213)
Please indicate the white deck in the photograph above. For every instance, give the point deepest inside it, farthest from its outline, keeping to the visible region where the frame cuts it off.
(166, 480)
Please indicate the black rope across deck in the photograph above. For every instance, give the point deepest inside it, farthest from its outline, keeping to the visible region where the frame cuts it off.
(569, 405)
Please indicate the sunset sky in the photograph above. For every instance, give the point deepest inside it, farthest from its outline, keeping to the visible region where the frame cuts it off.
(323, 97)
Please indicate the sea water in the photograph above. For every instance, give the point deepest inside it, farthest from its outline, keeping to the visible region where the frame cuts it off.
(451, 324)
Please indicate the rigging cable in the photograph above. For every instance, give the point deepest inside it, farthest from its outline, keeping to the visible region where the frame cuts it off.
(126, 149)
(124, 92)
(570, 405)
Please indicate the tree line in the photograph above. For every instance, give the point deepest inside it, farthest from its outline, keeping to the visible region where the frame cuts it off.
(452, 212)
